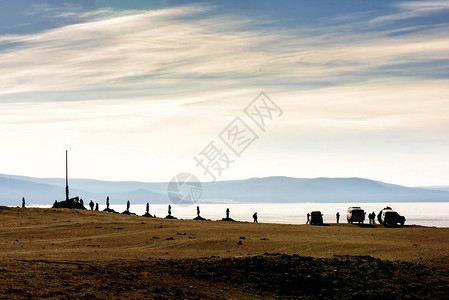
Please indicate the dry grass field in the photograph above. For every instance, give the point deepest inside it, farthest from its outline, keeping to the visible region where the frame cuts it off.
(62, 253)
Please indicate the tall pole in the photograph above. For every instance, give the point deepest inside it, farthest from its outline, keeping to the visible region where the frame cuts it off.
(66, 178)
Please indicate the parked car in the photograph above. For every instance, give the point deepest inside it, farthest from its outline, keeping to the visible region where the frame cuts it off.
(316, 217)
(355, 214)
(388, 216)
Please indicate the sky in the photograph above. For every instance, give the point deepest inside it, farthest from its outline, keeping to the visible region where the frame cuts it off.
(145, 90)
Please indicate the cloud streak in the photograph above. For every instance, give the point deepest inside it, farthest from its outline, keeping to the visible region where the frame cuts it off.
(415, 9)
(178, 49)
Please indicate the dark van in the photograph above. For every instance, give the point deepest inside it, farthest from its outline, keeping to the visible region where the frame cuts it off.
(355, 214)
(316, 217)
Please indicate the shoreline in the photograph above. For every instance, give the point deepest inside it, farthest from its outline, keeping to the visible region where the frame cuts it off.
(421, 214)
(342, 220)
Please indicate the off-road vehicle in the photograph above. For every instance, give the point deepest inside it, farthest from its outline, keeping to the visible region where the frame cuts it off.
(355, 214)
(316, 217)
(388, 216)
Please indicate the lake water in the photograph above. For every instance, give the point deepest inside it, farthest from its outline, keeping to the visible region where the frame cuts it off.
(426, 214)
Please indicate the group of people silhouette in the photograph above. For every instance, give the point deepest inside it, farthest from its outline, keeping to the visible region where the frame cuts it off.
(372, 218)
(92, 204)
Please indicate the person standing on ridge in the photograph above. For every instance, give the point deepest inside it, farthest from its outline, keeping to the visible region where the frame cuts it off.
(338, 217)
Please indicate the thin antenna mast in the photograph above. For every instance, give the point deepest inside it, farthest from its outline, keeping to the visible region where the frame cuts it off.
(66, 178)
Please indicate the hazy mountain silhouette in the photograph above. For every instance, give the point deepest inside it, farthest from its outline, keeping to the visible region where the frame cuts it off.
(268, 189)
(437, 187)
(285, 189)
(47, 190)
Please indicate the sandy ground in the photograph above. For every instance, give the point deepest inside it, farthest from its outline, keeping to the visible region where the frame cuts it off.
(59, 245)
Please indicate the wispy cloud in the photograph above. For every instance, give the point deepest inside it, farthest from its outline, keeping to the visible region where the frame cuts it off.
(168, 51)
(415, 9)
(70, 11)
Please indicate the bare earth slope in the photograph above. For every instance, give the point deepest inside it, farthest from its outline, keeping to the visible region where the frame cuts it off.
(60, 253)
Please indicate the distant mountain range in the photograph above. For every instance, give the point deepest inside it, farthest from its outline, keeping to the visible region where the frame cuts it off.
(44, 191)
(438, 187)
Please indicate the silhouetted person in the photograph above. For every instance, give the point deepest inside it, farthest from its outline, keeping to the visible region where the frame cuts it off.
(23, 202)
(91, 205)
(148, 208)
(255, 217)
(128, 205)
(338, 217)
(107, 202)
(82, 202)
(308, 218)
(169, 210)
(96, 206)
(372, 217)
(227, 213)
